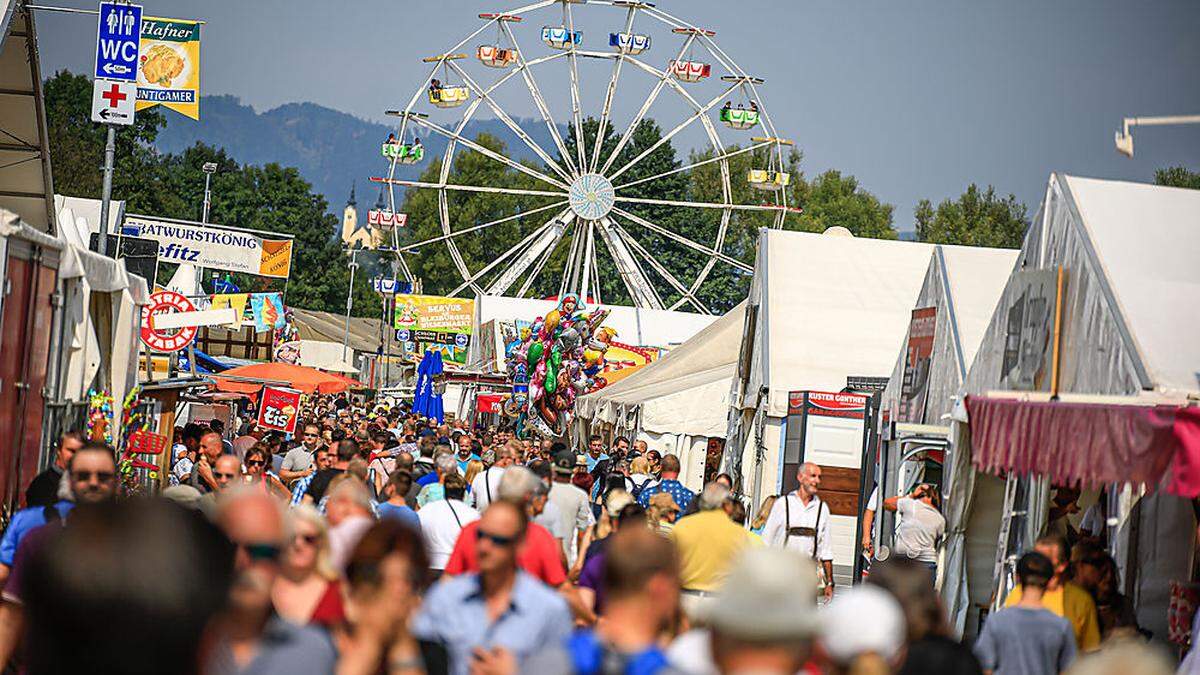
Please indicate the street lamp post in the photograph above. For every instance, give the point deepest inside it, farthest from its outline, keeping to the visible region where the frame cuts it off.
(349, 303)
(209, 169)
(1124, 139)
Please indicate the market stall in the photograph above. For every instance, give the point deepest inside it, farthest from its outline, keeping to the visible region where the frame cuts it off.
(1086, 375)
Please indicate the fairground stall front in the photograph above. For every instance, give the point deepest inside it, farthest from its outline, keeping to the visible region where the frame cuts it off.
(1086, 377)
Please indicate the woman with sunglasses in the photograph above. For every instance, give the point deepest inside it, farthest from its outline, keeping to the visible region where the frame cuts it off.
(254, 466)
(307, 589)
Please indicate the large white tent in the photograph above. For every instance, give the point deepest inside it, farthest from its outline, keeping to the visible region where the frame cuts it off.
(822, 309)
(677, 403)
(1128, 256)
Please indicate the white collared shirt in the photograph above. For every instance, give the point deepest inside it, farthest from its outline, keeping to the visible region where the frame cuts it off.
(802, 515)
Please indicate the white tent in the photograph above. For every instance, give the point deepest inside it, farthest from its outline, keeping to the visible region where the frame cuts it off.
(821, 309)
(1128, 253)
(680, 401)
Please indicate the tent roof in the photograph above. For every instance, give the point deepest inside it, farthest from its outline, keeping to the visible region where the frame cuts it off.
(833, 307)
(638, 327)
(1145, 238)
(329, 327)
(690, 378)
(976, 277)
(24, 154)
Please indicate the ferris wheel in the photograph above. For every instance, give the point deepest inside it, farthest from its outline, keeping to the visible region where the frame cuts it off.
(591, 199)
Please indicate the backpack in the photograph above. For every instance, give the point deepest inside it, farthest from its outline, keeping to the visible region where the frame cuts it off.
(588, 654)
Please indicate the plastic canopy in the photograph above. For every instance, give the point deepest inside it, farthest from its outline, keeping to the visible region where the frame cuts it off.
(307, 380)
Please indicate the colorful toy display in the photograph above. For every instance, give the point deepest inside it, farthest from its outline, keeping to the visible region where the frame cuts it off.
(560, 357)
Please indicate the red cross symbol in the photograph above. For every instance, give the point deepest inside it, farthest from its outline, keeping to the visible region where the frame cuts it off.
(114, 96)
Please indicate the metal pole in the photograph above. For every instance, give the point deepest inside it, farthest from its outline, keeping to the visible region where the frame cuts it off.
(349, 303)
(110, 149)
(207, 181)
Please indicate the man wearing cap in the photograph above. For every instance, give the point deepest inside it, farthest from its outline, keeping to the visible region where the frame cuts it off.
(800, 522)
(763, 619)
(574, 511)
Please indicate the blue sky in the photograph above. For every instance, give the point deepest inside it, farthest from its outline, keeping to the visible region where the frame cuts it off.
(916, 98)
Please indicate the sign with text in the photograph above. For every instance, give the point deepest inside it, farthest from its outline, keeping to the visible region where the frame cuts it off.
(118, 40)
(113, 102)
(279, 409)
(918, 359)
(435, 321)
(169, 68)
(218, 248)
(166, 339)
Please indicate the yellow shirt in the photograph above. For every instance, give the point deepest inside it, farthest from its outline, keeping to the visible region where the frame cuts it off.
(1074, 604)
(708, 542)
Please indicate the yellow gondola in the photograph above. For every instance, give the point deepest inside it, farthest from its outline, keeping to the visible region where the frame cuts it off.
(449, 96)
(765, 179)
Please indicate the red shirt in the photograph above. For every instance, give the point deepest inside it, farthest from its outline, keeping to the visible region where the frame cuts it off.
(538, 554)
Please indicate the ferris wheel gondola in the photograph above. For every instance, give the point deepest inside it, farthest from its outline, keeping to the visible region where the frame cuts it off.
(593, 205)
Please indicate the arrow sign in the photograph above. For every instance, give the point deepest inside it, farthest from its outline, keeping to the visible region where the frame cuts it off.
(113, 102)
(118, 40)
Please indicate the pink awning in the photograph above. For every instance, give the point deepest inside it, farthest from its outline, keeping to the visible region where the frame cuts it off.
(1088, 443)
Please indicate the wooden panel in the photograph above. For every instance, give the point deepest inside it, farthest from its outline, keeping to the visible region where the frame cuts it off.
(841, 503)
(839, 479)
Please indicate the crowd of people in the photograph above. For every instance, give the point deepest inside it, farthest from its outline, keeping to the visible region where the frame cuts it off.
(377, 541)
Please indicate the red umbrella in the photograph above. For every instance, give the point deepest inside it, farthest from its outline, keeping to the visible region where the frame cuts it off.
(251, 378)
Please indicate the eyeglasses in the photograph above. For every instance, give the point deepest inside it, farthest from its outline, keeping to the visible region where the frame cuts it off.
(259, 551)
(86, 476)
(496, 539)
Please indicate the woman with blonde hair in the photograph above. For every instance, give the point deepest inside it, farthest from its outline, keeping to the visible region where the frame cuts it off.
(307, 589)
(761, 515)
(474, 467)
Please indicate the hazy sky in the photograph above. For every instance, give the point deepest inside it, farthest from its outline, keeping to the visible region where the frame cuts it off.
(918, 98)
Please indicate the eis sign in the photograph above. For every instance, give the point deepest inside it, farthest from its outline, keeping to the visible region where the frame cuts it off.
(279, 409)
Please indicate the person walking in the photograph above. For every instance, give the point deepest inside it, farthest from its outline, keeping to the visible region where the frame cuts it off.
(43, 489)
(396, 505)
(669, 483)
(443, 520)
(307, 590)
(800, 521)
(572, 506)
(708, 543)
(921, 526)
(1025, 638)
(301, 460)
(494, 619)
(1063, 597)
(486, 485)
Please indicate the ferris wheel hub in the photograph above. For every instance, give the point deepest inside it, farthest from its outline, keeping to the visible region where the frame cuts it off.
(591, 196)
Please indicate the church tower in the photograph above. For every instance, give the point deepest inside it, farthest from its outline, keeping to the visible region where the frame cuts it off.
(349, 219)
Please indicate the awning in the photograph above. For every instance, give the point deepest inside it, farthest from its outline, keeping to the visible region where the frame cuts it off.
(249, 379)
(1088, 443)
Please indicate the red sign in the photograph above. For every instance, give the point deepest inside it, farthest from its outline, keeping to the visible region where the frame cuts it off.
(827, 404)
(489, 402)
(168, 339)
(146, 443)
(918, 359)
(279, 409)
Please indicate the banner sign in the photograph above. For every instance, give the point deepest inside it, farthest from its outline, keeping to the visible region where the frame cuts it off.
(827, 404)
(166, 339)
(914, 388)
(1029, 309)
(168, 71)
(435, 321)
(211, 246)
(279, 409)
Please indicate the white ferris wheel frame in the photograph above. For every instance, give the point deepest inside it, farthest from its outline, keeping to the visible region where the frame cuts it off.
(534, 250)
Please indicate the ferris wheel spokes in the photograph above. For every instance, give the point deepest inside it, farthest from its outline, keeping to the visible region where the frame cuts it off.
(473, 279)
(475, 228)
(638, 220)
(608, 96)
(536, 94)
(637, 119)
(550, 233)
(576, 105)
(512, 125)
(666, 138)
(641, 291)
(466, 188)
(686, 295)
(693, 165)
(458, 138)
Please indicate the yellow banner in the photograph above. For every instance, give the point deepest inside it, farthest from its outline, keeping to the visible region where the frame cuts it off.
(169, 65)
(276, 258)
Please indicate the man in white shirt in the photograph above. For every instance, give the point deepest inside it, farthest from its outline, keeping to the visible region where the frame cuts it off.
(486, 485)
(800, 521)
(574, 510)
(921, 526)
(441, 521)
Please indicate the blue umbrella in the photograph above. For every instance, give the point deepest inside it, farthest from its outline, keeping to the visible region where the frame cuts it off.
(435, 400)
(423, 389)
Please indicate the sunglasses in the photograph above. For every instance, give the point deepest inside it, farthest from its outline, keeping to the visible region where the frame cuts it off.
(260, 552)
(86, 476)
(255, 462)
(310, 539)
(307, 435)
(498, 540)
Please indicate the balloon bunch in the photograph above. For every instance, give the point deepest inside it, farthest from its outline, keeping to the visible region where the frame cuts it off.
(100, 416)
(559, 358)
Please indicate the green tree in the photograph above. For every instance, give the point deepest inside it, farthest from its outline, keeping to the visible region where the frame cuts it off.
(977, 218)
(1177, 176)
(269, 198)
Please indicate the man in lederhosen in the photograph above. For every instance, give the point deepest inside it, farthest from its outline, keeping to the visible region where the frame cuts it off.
(800, 521)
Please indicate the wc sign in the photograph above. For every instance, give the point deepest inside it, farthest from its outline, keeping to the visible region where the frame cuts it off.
(118, 41)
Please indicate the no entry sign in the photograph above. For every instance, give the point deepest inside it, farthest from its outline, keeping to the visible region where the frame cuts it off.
(167, 339)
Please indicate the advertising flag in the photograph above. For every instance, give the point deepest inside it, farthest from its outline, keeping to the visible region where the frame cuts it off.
(437, 323)
(279, 410)
(169, 65)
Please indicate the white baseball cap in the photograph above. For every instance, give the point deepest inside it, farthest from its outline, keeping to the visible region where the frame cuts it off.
(769, 595)
(845, 634)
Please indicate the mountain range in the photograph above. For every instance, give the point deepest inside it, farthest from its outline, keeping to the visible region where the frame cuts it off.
(333, 150)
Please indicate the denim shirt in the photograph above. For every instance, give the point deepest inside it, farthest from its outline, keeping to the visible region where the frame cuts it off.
(455, 614)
